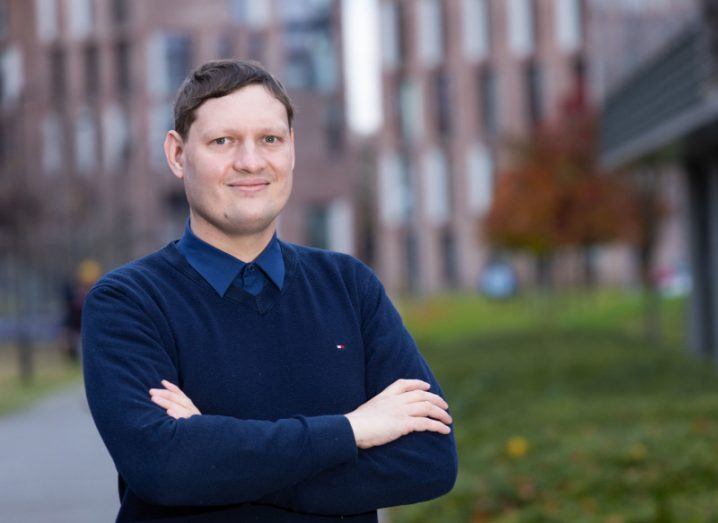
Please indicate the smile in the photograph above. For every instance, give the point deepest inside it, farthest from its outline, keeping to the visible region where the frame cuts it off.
(250, 188)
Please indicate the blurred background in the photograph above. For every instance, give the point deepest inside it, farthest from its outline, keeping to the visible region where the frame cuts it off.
(534, 181)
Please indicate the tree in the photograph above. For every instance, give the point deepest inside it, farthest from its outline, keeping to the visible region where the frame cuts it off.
(556, 195)
(20, 211)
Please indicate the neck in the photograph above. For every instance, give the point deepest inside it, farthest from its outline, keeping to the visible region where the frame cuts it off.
(245, 247)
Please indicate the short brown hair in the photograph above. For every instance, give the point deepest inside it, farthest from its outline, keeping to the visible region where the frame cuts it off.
(218, 78)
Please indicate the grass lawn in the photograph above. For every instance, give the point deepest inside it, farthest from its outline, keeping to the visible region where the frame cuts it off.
(51, 372)
(565, 413)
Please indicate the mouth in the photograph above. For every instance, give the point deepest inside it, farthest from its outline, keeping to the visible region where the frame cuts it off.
(250, 186)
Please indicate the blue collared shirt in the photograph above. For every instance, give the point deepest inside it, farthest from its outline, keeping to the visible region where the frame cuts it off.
(220, 269)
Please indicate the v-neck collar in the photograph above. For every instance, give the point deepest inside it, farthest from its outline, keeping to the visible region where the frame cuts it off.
(262, 302)
(220, 268)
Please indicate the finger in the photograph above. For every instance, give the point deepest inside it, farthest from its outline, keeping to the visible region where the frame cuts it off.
(430, 425)
(178, 413)
(182, 402)
(166, 403)
(173, 409)
(174, 388)
(171, 386)
(178, 398)
(404, 385)
(422, 395)
(428, 409)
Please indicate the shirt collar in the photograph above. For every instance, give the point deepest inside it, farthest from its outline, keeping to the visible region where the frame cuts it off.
(220, 268)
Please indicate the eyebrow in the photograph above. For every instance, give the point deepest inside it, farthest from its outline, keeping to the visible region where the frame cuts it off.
(208, 133)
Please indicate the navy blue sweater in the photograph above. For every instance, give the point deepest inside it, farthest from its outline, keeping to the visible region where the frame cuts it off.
(273, 376)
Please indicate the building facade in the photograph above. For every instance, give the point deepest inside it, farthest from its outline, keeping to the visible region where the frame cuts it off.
(460, 78)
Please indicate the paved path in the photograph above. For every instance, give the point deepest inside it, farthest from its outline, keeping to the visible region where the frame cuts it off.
(53, 465)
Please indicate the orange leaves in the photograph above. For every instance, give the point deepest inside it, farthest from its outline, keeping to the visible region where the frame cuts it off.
(555, 194)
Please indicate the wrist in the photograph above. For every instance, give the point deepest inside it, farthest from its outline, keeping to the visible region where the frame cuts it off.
(352, 423)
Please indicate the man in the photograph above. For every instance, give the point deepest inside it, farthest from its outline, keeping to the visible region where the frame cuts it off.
(237, 377)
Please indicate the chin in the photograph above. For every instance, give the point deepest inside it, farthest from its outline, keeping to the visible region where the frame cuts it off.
(250, 224)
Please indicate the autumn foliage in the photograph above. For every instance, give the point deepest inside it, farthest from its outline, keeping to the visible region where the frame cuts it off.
(555, 194)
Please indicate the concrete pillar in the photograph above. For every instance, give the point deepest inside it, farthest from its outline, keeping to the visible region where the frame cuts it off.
(712, 261)
(702, 255)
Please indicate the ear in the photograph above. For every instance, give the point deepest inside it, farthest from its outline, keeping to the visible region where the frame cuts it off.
(174, 152)
(291, 140)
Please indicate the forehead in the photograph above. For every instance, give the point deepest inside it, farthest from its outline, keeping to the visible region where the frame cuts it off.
(250, 107)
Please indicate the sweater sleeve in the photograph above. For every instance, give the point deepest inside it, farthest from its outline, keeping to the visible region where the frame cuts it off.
(417, 467)
(202, 460)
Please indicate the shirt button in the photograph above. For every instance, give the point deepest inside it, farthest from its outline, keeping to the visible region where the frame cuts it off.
(250, 267)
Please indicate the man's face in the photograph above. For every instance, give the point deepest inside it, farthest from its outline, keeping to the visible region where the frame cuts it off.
(237, 162)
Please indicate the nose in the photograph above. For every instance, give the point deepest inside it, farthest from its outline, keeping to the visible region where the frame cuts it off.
(248, 158)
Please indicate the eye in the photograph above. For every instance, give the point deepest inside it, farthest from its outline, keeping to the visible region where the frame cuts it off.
(220, 141)
(271, 139)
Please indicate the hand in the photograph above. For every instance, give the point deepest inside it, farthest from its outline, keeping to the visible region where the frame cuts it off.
(404, 406)
(171, 398)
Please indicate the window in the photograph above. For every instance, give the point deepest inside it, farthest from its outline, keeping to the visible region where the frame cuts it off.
(120, 11)
(340, 228)
(324, 61)
(85, 141)
(11, 75)
(568, 25)
(389, 189)
(475, 29)
(318, 226)
(52, 143)
(395, 189)
(80, 18)
(4, 18)
(488, 101)
(300, 72)
(160, 121)
(430, 25)
(411, 261)
(156, 73)
(58, 84)
(310, 53)
(534, 92)
(334, 125)
(255, 13)
(178, 48)
(480, 179)
(292, 11)
(169, 60)
(123, 68)
(406, 187)
(411, 101)
(521, 27)
(579, 75)
(4, 146)
(449, 260)
(238, 11)
(389, 35)
(46, 14)
(436, 186)
(115, 138)
(442, 103)
(92, 71)
(403, 33)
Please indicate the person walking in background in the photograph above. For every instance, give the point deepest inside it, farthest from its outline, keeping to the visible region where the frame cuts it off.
(237, 377)
(74, 292)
